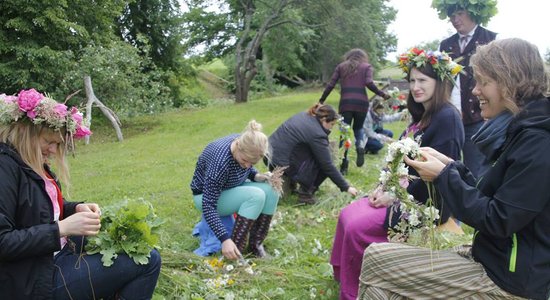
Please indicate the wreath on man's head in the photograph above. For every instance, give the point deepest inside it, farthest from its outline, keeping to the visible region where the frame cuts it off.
(480, 11)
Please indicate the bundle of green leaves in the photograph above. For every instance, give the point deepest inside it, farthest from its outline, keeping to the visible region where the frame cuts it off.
(127, 227)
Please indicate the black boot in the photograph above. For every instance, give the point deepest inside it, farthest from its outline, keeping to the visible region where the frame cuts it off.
(305, 195)
(258, 234)
(240, 232)
(344, 166)
(360, 156)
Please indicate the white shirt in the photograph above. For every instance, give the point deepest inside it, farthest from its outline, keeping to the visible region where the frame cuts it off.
(456, 99)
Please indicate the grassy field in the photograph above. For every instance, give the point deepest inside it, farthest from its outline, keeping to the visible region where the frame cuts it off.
(156, 162)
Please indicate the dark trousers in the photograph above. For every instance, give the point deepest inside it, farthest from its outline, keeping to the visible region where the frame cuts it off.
(306, 172)
(356, 119)
(85, 277)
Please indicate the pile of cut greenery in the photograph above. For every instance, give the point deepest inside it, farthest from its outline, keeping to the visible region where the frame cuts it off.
(127, 227)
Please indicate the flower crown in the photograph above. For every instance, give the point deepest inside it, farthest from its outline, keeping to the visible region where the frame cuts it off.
(441, 62)
(40, 109)
(480, 11)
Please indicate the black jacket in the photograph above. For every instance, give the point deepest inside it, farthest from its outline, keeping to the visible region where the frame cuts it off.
(300, 136)
(28, 234)
(471, 113)
(510, 207)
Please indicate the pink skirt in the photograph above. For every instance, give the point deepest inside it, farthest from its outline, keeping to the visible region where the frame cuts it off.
(359, 225)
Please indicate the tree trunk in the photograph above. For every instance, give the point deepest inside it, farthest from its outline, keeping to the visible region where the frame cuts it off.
(104, 109)
(245, 60)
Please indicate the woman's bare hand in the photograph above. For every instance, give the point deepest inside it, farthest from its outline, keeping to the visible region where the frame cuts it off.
(230, 250)
(80, 223)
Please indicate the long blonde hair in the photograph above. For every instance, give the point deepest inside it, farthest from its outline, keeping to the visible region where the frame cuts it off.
(25, 138)
(252, 142)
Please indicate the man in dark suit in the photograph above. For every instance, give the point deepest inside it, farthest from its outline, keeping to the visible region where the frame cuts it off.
(463, 44)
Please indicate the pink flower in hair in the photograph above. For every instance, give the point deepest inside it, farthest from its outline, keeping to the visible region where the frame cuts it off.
(60, 109)
(28, 100)
(9, 99)
(76, 115)
(82, 131)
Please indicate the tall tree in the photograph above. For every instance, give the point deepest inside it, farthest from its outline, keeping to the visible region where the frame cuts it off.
(300, 37)
(349, 24)
(40, 39)
(240, 29)
(155, 27)
(250, 39)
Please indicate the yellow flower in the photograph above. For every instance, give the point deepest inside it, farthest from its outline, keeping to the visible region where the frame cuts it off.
(456, 69)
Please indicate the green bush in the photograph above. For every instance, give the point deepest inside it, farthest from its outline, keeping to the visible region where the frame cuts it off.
(122, 79)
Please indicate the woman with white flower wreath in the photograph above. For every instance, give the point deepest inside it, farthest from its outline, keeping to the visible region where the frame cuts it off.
(509, 207)
(41, 234)
(437, 122)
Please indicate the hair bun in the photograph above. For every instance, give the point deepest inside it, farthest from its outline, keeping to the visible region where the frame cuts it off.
(254, 126)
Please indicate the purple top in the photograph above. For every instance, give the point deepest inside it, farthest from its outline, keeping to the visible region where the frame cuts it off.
(353, 96)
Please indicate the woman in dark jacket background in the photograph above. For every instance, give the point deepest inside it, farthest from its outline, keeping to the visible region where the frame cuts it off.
(302, 144)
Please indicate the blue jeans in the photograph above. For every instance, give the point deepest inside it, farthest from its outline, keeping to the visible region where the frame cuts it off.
(85, 277)
(374, 145)
(472, 157)
(385, 132)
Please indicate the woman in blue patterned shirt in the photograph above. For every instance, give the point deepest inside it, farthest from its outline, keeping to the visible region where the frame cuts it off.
(225, 182)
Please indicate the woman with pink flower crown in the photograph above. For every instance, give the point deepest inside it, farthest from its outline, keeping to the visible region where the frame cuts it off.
(41, 234)
(437, 123)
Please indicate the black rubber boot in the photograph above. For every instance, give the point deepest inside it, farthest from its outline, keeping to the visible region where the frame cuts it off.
(344, 167)
(240, 232)
(360, 156)
(258, 233)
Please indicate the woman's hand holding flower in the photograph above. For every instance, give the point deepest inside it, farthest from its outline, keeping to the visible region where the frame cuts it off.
(429, 168)
(440, 156)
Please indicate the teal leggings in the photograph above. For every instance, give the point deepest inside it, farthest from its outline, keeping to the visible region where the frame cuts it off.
(249, 200)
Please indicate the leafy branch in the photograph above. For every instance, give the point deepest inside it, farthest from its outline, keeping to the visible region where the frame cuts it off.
(128, 227)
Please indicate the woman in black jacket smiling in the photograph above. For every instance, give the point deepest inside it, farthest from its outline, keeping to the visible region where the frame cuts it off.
(509, 207)
(302, 144)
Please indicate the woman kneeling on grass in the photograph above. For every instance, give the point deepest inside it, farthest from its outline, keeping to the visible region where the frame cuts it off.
(509, 207)
(225, 182)
(302, 144)
(41, 243)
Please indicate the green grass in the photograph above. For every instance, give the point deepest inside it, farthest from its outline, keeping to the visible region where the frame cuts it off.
(156, 162)
(392, 72)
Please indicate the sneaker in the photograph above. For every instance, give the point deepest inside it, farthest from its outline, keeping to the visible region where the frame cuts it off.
(360, 157)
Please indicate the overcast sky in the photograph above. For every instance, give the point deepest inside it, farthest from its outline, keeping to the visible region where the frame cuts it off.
(417, 22)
